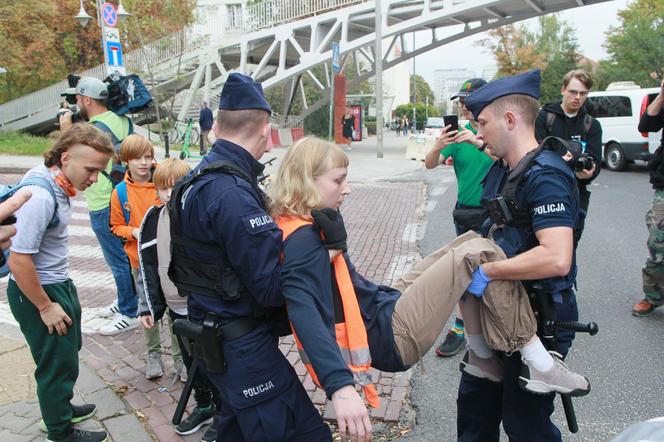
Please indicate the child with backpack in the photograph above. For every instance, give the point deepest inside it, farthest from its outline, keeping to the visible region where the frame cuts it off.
(130, 201)
(161, 296)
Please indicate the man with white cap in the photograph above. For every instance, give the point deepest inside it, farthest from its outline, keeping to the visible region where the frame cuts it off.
(91, 95)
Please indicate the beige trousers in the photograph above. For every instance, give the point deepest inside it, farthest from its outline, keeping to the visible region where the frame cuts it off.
(432, 288)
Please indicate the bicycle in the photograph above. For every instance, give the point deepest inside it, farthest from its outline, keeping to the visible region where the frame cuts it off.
(178, 132)
(190, 137)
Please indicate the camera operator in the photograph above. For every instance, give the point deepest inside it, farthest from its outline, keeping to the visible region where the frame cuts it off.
(91, 96)
(568, 119)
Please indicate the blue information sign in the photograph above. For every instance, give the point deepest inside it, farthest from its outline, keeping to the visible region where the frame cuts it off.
(335, 57)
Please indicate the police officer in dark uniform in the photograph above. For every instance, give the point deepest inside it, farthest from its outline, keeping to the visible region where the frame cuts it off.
(231, 275)
(538, 242)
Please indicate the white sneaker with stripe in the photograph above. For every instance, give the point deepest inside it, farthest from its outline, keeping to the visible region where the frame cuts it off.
(118, 324)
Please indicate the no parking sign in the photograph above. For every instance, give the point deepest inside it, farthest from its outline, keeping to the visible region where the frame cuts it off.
(109, 14)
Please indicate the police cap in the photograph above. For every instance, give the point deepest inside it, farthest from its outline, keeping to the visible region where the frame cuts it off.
(523, 84)
(242, 92)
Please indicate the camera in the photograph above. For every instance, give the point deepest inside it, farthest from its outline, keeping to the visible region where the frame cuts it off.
(585, 162)
(70, 98)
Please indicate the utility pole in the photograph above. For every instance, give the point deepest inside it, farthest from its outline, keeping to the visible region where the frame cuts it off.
(414, 90)
(379, 79)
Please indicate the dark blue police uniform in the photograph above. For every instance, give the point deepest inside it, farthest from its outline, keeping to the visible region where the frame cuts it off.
(263, 399)
(549, 194)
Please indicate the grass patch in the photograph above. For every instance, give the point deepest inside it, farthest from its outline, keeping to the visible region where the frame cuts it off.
(17, 143)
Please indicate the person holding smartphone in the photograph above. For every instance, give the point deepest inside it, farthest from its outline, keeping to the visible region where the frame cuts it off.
(471, 163)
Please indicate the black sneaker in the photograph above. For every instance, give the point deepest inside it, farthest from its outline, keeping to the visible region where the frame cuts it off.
(211, 432)
(194, 422)
(84, 436)
(452, 345)
(80, 413)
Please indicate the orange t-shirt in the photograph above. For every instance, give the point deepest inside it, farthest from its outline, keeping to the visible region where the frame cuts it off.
(140, 197)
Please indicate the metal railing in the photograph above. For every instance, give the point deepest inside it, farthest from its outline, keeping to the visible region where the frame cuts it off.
(288, 122)
(214, 29)
(269, 13)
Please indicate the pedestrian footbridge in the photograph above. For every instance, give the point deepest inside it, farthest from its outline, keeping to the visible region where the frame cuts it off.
(289, 42)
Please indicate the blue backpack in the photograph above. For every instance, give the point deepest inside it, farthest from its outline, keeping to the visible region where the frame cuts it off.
(6, 191)
(122, 196)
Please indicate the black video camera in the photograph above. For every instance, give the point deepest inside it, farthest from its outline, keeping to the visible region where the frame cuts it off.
(585, 162)
(70, 98)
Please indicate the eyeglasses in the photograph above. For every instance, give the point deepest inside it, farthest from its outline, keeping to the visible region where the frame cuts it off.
(575, 93)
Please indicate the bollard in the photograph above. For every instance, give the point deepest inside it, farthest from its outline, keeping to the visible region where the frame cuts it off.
(166, 144)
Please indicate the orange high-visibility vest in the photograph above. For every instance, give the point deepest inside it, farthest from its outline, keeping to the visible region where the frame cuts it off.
(352, 334)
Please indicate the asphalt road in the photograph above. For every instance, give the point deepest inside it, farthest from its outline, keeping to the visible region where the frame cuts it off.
(623, 362)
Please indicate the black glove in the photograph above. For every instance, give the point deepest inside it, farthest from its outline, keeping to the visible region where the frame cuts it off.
(332, 224)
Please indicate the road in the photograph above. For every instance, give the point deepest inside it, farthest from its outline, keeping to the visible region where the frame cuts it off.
(623, 362)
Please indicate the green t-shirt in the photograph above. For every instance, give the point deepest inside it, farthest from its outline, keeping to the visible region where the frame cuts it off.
(470, 168)
(98, 196)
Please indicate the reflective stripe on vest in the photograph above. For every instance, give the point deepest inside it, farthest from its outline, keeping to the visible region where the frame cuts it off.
(351, 335)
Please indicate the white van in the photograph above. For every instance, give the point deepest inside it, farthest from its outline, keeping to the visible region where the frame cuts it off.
(619, 109)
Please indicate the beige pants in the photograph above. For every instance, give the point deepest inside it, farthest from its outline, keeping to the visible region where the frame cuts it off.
(432, 288)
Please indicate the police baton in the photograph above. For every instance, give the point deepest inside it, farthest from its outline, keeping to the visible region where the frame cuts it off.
(186, 392)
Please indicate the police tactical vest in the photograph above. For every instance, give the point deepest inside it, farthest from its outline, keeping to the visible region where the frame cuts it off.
(211, 277)
(517, 236)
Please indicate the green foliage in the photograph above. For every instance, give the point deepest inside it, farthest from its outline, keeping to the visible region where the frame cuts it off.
(318, 123)
(421, 112)
(636, 45)
(16, 143)
(422, 90)
(42, 42)
(552, 47)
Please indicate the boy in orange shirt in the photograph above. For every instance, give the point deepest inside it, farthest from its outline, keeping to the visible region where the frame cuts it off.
(130, 201)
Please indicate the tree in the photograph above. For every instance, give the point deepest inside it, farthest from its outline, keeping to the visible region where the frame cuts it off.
(422, 90)
(42, 42)
(557, 43)
(636, 45)
(514, 50)
(421, 112)
(552, 47)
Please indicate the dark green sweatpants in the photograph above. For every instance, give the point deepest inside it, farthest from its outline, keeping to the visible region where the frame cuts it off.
(56, 356)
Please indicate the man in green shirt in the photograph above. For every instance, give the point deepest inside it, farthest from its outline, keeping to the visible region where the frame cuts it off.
(471, 163)
(91, 95)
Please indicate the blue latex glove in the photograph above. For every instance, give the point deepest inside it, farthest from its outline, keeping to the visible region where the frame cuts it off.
(479, 282)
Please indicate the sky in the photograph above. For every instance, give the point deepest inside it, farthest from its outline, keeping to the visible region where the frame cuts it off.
(590, 23)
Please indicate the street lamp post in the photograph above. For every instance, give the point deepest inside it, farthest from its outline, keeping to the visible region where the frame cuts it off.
(108, 16)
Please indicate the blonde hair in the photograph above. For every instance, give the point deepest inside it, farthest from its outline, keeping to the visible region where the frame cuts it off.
(169, 171)
(135, 146)
(294, 191)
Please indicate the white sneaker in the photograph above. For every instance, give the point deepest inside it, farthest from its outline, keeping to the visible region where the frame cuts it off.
(118, 324)
(559, 378)
(109, 311)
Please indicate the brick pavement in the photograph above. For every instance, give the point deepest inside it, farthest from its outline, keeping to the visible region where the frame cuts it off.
(382, 220)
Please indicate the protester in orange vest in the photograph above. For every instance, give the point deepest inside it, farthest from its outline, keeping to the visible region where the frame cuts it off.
(344, 324)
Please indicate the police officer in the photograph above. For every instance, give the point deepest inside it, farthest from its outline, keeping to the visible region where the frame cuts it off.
(223, 216)
(538, 242)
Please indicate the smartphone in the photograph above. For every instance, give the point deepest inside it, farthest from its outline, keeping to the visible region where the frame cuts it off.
(452, 121)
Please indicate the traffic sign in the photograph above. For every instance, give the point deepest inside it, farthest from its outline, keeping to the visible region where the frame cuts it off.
(335, 57)
(112, 35)
(114, 53)
(109, 15)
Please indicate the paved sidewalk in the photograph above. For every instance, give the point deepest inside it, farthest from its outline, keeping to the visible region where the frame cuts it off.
(382, 218)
